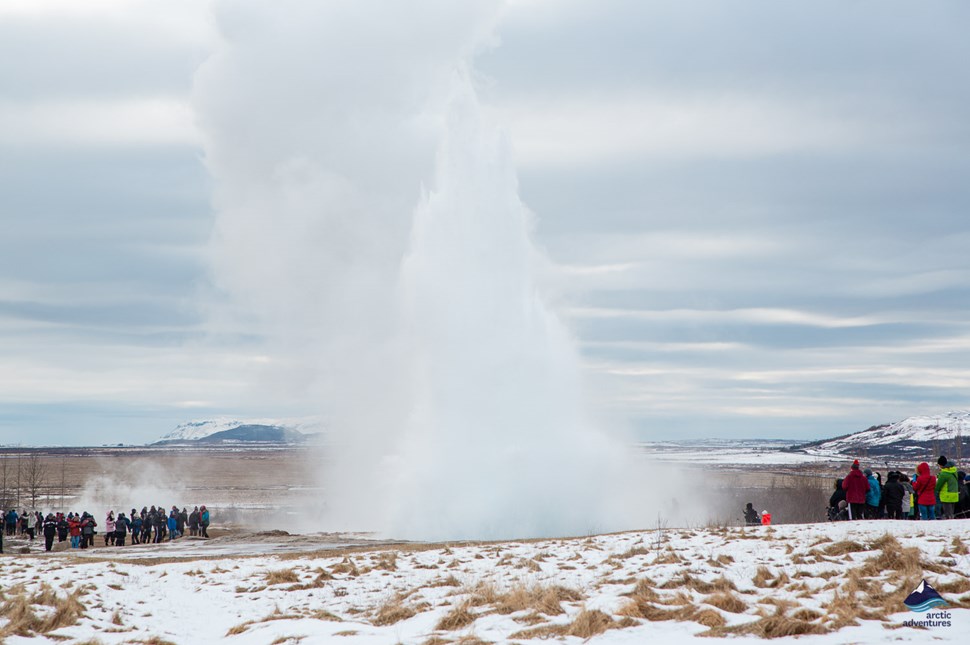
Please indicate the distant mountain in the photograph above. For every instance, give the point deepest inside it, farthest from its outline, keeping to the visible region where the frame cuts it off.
(226, 429)
(911, 437)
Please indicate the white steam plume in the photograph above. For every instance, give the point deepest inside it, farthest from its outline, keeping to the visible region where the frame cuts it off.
(413, 320)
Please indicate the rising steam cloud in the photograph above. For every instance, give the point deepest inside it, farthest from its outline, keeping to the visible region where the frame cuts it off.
(368, 220)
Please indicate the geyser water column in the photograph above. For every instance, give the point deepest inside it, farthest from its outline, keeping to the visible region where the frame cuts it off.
(498, 443)
(413, 324)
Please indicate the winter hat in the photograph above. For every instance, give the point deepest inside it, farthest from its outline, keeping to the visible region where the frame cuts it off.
(867, 472)
(942, 461)
(855, 464)
(764, 512)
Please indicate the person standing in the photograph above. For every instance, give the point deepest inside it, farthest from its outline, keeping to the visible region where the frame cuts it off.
(873, 496)
(11, 522)
(751, 517)
(74, 528)
(204, 521)
(856, 486)
(62, 527)
(50, 531)
(892, 496)
(136, 524)
(109, 528)
(947, 487)
(121, 529)
(172, 525)
(925, 489)
(194, 521)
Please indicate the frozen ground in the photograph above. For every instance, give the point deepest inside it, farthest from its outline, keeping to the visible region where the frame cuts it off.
(832, 583)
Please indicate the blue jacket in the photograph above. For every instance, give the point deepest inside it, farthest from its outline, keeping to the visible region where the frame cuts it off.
(874, 494)
(172, 523)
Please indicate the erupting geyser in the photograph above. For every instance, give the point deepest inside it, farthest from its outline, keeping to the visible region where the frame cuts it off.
(411, 315)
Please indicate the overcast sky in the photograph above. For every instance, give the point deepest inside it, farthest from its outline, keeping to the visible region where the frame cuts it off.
(758, 212)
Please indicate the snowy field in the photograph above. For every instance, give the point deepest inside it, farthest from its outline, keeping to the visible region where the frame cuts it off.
(821, 583)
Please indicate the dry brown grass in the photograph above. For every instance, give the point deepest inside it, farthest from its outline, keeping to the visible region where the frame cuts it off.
(18, 609)
(585, 625)
(393, 611)
(346, 566)
(387, 561)
(769, 627)
(959, 585)
(765, 579)
(450, 581)
(893, 556)
(276, 615)
(281, 576)
(545, 600)
(460, 616)
(959, 548)
(844, 547)
(728, 602)
(589, 623)
(634, 551)
(653, 613)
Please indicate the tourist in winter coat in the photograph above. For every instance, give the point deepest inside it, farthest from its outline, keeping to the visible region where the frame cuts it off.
(892, 495)
(172, 525)
(925, 489)
(909, 502)
(963, 506)
(947, 487)
(873, 496)
(88, 524)
(74, 528)
(10, 521)
(136, 526)
(122, 525)
(856, 486)
(183, 519)
(204, 521)
(751, 517)
(838, 495)
(194, 521)
(50, 531)
(62, 527)
(147, 521)
(109, 528)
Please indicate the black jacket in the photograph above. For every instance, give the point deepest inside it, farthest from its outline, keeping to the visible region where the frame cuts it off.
(893, 493)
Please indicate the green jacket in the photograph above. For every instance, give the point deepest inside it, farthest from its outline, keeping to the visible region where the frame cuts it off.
(947, 486)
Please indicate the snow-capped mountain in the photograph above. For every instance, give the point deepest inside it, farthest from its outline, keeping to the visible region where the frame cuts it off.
(201, 429)
(910, 436)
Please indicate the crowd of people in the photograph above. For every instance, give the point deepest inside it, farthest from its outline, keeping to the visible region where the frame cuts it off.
(862, 494)
(151, 525)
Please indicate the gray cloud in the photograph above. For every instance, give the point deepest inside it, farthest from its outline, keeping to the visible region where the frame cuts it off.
(690, 157)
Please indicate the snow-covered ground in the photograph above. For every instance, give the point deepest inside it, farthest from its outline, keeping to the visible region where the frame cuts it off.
(725, 452)
(834, 583)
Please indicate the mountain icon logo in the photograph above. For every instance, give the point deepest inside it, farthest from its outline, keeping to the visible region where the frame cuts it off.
(924, 598)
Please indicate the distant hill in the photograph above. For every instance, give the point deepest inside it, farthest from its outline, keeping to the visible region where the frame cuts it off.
(229, 430)
(912, 437)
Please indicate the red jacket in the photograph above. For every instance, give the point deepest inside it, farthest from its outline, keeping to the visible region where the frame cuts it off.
(75, 527)
(925, 486)
(855, 486)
